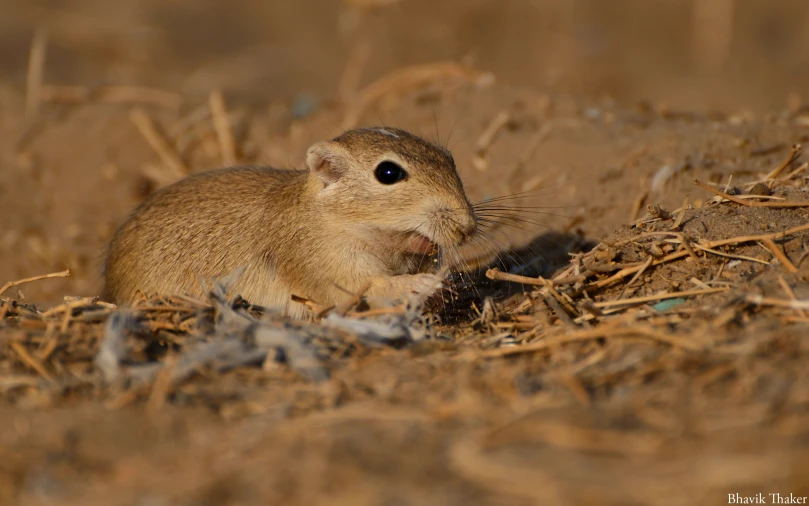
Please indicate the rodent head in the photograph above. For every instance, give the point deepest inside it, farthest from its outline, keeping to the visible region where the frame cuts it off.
(391, 181)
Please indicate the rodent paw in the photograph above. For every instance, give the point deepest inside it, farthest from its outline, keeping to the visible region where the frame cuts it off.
(421, 284)
(407, 285)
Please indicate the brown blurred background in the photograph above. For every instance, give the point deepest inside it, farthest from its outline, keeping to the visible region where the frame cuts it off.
(700, 54)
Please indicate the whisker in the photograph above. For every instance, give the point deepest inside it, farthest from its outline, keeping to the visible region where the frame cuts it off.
(484, 205)
(517, 207)
(503, 200)
(463, 274)
(526, 193)
(499, 251)
(518, 220)
(489, 240)
(489, 222)
(488, 212)
(537, 255)
(494, 226)
(494, 221)
(512, 225)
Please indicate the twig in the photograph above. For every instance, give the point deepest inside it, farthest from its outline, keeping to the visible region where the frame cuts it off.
(486, 139)
(751, 238)
(679, 254)
(189, 122)
(318, 310)
(498, 275)
(567, 280)
(793, 155)
(791, 293)
(69, 306)
(760, 300)
(750, 203)
(409, 78)
(701, 284)
(654, 298)
(398, 309)
(171, 160)
(222, 126)
(554, 305)
(11, 284)
(687, 245)
(31, 361)
(637, 204)
(595, 333)
(775, 250)
(5, 309)
(352, 73)
(51, 342)
(637, 275)
(66, 321)
(729, 255)
(556, 295)
(658, 212)
(679, 221)
(36, 69)
(162, 384)
(801, 168)
(343, 308)
(112, 95)
(803, 256)
(535, 141)
(727, 186)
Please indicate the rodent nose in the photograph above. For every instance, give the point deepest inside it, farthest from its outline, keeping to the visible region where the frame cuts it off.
(468, 225)
(458, 223)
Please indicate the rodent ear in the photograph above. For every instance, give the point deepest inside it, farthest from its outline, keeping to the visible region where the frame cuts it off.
(328, 161)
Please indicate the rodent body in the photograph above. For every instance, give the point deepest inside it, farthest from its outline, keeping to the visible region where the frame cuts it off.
(372, 204)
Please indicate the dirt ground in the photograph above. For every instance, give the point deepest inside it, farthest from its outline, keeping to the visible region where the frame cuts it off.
(660, 358)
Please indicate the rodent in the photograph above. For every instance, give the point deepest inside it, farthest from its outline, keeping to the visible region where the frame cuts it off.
(371, 206)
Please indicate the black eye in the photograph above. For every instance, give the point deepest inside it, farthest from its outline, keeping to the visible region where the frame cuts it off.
(389, 173)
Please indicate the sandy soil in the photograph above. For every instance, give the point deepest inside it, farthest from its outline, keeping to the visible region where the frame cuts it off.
(605, 109)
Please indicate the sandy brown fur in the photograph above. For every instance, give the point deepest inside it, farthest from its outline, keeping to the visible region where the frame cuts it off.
(316, 233)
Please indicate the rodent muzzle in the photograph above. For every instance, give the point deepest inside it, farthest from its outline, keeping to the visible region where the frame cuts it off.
(453, 227)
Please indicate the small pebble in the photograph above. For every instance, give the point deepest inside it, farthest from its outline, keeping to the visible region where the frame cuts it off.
(760, 189)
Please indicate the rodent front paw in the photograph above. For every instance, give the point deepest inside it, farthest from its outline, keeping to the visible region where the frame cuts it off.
(406, 285)
(422, 284)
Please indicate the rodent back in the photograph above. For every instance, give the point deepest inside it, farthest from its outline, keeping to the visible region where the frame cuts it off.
(203, 225)
(215, 202)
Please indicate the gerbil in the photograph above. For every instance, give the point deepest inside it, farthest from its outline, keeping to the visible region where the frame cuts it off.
(372, 204)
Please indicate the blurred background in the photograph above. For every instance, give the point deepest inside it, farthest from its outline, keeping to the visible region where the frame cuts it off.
(695, 54)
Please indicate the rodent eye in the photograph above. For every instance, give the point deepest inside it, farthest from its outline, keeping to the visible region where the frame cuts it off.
(389, 173)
